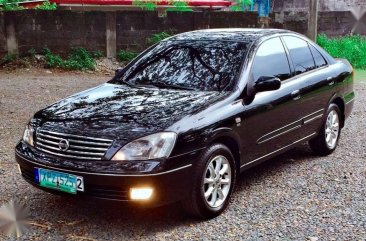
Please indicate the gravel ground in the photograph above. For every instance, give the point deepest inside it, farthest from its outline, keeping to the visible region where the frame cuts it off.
(295, 196)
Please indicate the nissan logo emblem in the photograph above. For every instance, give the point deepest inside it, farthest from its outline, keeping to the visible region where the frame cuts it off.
(63, 145)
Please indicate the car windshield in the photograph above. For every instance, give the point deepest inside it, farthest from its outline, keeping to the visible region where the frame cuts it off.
(193, 65)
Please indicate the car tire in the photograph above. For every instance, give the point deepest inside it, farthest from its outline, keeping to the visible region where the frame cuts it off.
(327, 139)
(210, 177)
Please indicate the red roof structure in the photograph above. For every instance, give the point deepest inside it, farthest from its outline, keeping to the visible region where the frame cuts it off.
(159, 3)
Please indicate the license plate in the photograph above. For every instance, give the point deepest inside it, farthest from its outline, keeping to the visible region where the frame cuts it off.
(59, 180)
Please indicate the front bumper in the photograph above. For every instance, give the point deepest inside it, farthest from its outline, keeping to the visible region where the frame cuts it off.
(169, 184)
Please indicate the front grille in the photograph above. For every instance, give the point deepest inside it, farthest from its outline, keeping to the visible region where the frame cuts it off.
(71, 146)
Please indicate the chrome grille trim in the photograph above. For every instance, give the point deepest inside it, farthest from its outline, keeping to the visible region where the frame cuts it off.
(74, 146)
(76, 141)
(80, 147)
(69, 135)
(63, 155)
(70, 151)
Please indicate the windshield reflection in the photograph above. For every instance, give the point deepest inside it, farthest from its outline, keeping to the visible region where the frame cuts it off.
(194, 65)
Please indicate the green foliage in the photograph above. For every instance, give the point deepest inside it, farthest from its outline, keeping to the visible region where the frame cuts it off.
(145, 4)
(13, 5)
(97, 54)
(180, 6)
(126, 55)
(47, 6)
(79, 59)
(52, 60)
(9, 58)
(32, 53)
(156, 38)
(240, 4)
(352, 48)
(10, 5)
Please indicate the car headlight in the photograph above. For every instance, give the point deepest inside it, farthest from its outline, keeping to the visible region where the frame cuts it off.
(154, 146)
(28, 134)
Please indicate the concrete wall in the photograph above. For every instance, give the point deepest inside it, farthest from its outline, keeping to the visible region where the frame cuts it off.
(58, 30)
(3, 48)
(337, 23)
(324, 5)
(62, 30)
(336, 5)
(133, 28)
(295, 21)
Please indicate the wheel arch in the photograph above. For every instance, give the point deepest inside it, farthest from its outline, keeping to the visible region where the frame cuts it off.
(229, 138)
(338, 100)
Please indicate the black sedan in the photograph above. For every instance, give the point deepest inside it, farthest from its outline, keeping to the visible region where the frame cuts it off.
(183, 119)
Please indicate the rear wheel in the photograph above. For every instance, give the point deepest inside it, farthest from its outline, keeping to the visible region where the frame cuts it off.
(327, 140)
(213, 182)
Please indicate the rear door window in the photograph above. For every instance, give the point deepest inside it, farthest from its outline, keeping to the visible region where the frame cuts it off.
(318, 57)
(300, 54)
(271, 60)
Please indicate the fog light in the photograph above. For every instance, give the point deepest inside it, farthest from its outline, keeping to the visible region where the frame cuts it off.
(141, 193)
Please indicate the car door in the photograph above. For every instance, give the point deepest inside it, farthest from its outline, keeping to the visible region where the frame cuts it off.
(313, 78)
(269, 116)
(272, 119)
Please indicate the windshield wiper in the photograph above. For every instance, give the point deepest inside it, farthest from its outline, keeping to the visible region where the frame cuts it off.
(170, 86)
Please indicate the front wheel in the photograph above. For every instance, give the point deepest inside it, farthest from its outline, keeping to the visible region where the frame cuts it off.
(213, 182)
(327, 140)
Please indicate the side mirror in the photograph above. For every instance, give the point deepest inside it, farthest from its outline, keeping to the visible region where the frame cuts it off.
(267, 83)
(118, 71)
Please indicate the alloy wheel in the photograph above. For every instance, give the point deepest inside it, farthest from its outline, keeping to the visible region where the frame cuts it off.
(217, 181)
(332, 129)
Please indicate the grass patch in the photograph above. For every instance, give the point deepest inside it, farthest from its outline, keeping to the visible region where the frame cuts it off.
(352, 48)
(126, 55)
(156, 38)
(79, 59)
(9, 58)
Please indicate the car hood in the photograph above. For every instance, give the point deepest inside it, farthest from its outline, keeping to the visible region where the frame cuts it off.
(123, 112)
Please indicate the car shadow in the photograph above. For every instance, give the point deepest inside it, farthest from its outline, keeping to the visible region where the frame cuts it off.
(70, 214)
(276, 164)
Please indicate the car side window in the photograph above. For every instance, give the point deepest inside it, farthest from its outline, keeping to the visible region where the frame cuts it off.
(318, 57)
(300, 54)
(271, 60)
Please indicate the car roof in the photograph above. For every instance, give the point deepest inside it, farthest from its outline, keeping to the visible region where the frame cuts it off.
(228, 34)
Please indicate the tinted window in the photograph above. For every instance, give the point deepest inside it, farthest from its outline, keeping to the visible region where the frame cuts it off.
(300, 54)
(199, 65)
(319, 59)
(271, 60)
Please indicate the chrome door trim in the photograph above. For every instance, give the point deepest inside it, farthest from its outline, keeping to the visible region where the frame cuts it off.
(280, 149)
(313, 119)
(291, 127)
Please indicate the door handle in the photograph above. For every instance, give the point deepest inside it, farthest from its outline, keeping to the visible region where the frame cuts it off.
(330, 80)
(296, 95)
